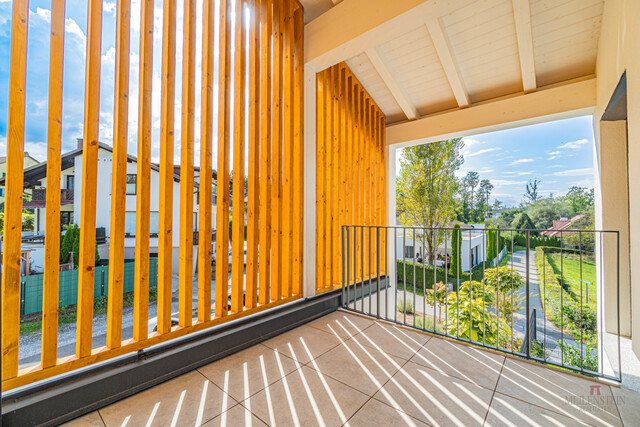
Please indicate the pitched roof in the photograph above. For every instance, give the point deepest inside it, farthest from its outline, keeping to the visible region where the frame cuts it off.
(562, 224)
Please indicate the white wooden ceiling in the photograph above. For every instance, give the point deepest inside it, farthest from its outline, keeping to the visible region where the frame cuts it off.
(482, 50)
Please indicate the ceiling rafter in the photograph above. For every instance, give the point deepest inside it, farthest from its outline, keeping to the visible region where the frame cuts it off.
(443, 48)
(524, 34)
(391, 80)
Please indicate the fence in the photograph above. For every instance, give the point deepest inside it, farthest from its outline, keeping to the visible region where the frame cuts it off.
(533, 304)
(31, 287)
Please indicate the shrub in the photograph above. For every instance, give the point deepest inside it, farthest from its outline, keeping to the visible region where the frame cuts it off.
(405, 305)
(456, 255)
(573, 357)
(584, 319)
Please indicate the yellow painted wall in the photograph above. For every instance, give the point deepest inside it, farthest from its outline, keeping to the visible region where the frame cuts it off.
(619, 51)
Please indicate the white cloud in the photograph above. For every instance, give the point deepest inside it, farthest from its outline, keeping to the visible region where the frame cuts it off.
(520, 161)
(502, 182)
(109, 7)
(483, 151)
(72, 27)
(42, 13)
(572, 145)
(575, 172)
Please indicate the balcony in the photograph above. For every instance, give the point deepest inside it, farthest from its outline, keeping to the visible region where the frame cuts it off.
(345, 368)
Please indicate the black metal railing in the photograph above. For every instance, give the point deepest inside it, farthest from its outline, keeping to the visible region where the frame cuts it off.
(532, 293)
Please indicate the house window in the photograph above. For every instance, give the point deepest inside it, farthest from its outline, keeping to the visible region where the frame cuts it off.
(131, 183)
(130, 223)
(70, 183)
(66, 218)
(1, 192)
(408, 251)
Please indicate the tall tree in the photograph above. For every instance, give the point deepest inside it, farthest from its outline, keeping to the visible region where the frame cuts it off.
(470, 181)
(531, 192)
(427, 185)
(580, 199)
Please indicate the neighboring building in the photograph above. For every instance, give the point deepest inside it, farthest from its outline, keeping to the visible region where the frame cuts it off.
(28, 162)
(562, 224)
(473, 250)
(70, 201)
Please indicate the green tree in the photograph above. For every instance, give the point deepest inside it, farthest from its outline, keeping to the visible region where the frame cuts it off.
(470, 181)
(456, 255)
(531, 192)
(426, 187)
(545, 211)
(580, 200)
(522, 222)
(67, 241)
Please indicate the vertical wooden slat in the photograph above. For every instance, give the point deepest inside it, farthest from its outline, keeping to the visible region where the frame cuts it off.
(367, 180)
(237, 257)
(186, 165)
(298, 119)
(287, 156)
(335, 179)
(362, 178)
(89, 183)
(320, 179)
(222, 215)
(343, 162)
(13, 197)
(206, 138)
(374, 182)
(50, 295)
(119, 177)
(265, 151)
(357, 196)
(253, 217)
(383, 198)
(328, 156)
(143, 183)
(276, 153)
(165, 217)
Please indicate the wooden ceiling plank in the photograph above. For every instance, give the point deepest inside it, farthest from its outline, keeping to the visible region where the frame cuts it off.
(391, 80)
(524, 34)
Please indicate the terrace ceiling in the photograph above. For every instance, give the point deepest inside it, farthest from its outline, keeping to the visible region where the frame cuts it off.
(439, 55)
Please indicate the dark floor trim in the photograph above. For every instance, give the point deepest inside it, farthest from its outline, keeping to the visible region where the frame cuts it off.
(62, 398)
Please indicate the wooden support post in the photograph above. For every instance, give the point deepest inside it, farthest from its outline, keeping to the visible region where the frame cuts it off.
(298, 153)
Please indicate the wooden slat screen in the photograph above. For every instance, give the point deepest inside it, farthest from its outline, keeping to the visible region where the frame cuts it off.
(260, 62)
(350, 175)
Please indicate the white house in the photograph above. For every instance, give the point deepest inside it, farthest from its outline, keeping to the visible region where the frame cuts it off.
(473, 248)
(71, 185)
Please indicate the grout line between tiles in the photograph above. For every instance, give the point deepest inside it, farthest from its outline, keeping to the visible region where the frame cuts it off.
(493, 394)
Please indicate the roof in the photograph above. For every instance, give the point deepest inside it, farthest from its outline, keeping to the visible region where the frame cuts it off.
(33, 174)
(562, 224)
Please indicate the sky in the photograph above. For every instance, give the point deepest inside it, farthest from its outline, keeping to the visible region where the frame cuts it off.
(558, 153)
(74, 78)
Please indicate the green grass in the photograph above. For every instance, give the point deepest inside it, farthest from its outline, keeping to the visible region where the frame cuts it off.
(569, 267)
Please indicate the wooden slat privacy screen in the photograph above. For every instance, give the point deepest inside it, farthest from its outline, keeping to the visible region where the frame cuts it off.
(350, 174)
(268, 66)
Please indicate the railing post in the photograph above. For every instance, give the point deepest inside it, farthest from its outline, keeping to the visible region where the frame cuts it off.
(378, 265)
(344, 268)
(528, 322)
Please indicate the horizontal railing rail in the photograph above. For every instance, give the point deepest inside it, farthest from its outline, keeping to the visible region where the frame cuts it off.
(536, 294)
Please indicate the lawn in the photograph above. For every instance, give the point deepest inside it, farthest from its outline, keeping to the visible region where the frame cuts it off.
(569, 267)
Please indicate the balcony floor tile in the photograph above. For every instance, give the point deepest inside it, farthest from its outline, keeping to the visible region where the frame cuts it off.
(344, 368)
(249, 371)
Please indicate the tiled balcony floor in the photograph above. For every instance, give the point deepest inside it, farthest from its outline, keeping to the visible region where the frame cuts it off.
(343, 368)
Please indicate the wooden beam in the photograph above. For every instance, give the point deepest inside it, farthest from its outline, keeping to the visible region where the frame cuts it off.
(50, 295)
(206, 153)
(445, 53)
(119, 176)
(253, 187)
(390, 79)
(320, 177)
(353, 26)
(522, 17)
(167, 118)
(237, 215)
(224, 111)
(86, 264)
(264, 273)
(562, 101)
(11, 257)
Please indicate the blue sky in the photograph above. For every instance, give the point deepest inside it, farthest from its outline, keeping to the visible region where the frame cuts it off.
(559, 154)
